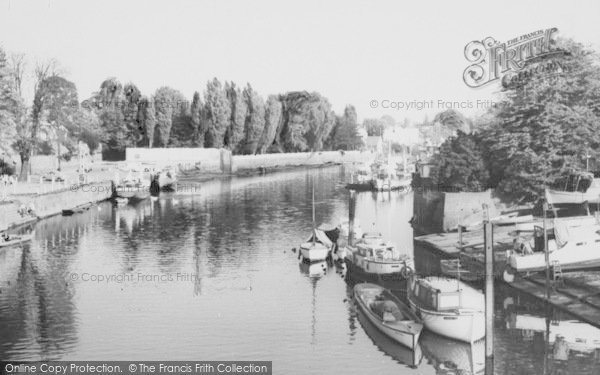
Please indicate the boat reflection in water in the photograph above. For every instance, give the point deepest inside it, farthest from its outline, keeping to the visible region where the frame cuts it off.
(400, 353)
(578, 336)
(453, 357)
(313, 270)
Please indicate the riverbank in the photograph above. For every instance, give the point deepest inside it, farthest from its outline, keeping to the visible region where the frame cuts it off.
(25, 209)
(50, 198)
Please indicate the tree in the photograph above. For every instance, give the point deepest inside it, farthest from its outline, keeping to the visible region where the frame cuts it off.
(255, 120)
(146, 118)
(374, 127)
(272, 122)
(218, 114)
(345, 134)
(321, 120)
(10, 106)
(307, 121)
(131, 100)
(108, 104)
(546, 123)
(28, 122)
(170, 105)
(239, 111)
(459, 165)
(197, 121)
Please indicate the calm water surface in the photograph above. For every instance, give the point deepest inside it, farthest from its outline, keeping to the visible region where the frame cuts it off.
(211, 275)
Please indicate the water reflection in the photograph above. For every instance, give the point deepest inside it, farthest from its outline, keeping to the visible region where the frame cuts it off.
(453, 357)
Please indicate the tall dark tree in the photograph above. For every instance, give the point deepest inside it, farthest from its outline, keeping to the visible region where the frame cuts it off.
(255, 120)
(132, 96)
(239, 111)
(197, 121)
(170, 106)
(272, 122)
(345, 133)
(218, 114)
(146, 118)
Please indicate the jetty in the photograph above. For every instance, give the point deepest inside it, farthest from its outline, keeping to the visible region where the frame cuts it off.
(577, 293)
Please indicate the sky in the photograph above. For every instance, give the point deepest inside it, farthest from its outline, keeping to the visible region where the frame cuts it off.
(352, 52)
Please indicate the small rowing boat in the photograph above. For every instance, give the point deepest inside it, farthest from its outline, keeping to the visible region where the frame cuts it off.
(389, 314)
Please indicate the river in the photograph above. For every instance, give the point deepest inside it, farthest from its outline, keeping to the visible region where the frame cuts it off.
(210, 273)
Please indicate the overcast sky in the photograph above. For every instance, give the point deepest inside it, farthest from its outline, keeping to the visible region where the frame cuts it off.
(350, 51)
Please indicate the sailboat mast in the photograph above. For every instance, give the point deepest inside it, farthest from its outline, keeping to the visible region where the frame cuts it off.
(313, 214)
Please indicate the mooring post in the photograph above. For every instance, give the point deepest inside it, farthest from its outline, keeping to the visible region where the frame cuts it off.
(546, 253)
(351, 213)
(489, 284)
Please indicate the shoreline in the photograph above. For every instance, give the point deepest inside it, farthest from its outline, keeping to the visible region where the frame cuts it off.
(54, 202)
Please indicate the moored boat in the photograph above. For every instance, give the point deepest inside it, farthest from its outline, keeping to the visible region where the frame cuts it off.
(576, 245)
(389, 314)
(448, 307)
(372, 254)
(14, 239)
(317, 248)
(402, 354)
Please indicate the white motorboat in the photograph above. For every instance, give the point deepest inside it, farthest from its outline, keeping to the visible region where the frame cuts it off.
(576, 245)
(448, 307)
(579, 188)
(372, 254)
(389, 314)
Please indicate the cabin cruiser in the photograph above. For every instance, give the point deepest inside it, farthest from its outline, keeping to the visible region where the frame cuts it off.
(448, 307)
(579, 188)
(572, 245)
(372, 254)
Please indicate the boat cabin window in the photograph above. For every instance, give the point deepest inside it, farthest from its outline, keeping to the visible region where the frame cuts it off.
(448, 300)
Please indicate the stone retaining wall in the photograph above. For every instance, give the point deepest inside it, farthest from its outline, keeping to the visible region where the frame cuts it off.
(249, 162)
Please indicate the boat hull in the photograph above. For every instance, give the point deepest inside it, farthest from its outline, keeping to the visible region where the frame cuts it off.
(314, 252)
(376, 267)
(569, 259)
(465, 327)
(407, 335)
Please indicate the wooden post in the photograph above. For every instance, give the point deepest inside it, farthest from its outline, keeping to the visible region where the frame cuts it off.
(489, 284)
(546, 253)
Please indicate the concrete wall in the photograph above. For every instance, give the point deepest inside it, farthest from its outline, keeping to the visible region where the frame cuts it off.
(221, 161)
(436, 211)
(250, 162)
(53, 203)
(204, 159)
